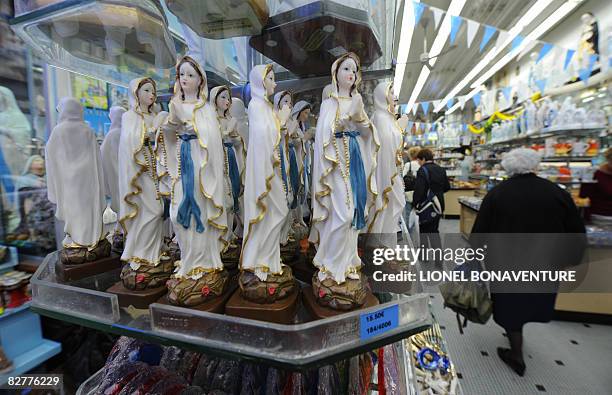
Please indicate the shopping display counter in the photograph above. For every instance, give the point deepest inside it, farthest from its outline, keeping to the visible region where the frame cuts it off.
(451, 200)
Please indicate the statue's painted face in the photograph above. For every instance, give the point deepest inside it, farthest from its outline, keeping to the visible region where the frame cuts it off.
(146, 95)
(223, 100)
(303, 117)
(38, 167)
(347, 73)
(269, 83)
(189, 78)
(285, 101)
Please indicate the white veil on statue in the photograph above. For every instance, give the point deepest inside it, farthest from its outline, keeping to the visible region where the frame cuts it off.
(390, 203)
(265, 201)
(110, 156)
(75, 179)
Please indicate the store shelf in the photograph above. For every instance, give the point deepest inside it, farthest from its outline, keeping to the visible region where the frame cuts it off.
(32, 358)
(545, 133)
(9, 312)
(568, 159)
(304, 345)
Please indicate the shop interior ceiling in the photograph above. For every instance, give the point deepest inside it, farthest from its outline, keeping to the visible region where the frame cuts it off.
(457, 60)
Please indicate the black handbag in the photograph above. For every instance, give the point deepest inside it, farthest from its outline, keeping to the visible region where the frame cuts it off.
(430, 208)
(409, 180)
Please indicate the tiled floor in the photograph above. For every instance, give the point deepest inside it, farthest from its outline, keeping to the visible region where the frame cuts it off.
(561, 357)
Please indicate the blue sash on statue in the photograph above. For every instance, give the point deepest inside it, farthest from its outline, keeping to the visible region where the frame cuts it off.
(294, 175)
(188, 206)
(306, 172)
(358, 179)
(234, 174)
(283, 170)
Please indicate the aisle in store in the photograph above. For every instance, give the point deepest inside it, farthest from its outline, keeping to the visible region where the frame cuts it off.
(562, 358)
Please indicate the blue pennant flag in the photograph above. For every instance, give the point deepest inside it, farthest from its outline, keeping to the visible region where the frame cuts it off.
(568, 58)
(425, 106)
(455, 25)
(450, 102)
(516, 42)
(418, 12)
(476, 99)
(584, 74)
(544, 51)
(541, 84)
(488, 33)
(506, 91)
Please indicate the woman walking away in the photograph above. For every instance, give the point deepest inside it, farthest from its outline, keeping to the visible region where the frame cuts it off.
(526, 204)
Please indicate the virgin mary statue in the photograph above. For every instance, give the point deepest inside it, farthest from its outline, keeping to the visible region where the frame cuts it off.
(343, 188)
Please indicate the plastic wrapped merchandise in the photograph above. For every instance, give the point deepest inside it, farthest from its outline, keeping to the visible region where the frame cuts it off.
(253, 379)
(275, 382)
(392, 375)
(130, 350)
(118, 375)
(145, 380)
(329, 382)
(227, 376)
(191, 390)
(172, 385)
(205, 372)
(188, 365)
(171, 358)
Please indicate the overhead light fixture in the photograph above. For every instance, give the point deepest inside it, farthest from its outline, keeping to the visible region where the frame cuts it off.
(436, 48)
(406, 30)
(542, 28)
(525, 20)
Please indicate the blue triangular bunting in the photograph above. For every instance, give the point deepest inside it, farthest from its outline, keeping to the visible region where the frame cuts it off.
(544, 51)
(568, 58)
(488, 33)
(455, 25)
(418, 12)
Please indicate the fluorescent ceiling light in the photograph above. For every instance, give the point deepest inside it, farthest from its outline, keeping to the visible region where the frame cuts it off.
(453, 10)
(525, 20)
(406, 30)
(542, 28)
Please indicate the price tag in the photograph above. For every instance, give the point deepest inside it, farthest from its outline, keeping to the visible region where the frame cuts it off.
(377, 322)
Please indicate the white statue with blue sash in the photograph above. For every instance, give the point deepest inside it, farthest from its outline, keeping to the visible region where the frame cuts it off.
(343, 188)
(302, 140)
(191, 150)
(294, 229)
(233, 157)
(264, 278)
(385, 215)
(140, 202)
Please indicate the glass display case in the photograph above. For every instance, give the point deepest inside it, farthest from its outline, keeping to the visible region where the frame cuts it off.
(112, 40)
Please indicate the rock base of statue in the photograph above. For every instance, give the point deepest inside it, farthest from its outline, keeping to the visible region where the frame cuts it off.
(319, 312)
(187, 292)
(143, 286)
(231, 257)
(290, 252)
(281, 311)
(118, 243)
(211, 305)
(67, 273)
(147, 276)
(139, 299)
(276, 286)
(349, 295)
(80, 255)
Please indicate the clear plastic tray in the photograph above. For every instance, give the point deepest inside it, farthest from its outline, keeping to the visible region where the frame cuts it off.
(303, 345)
(112, 40)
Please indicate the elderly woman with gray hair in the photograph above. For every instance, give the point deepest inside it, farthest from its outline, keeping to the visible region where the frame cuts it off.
(525, 204)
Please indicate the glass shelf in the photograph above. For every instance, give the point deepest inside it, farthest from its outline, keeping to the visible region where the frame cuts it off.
(303, 345)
